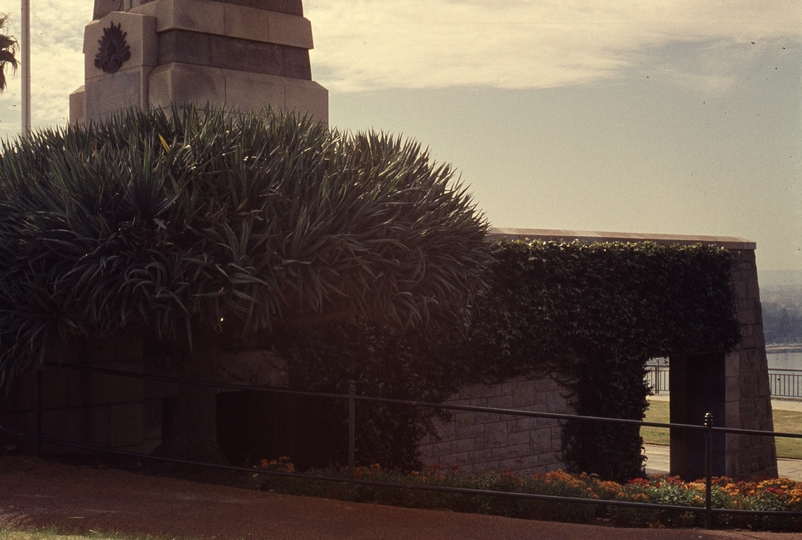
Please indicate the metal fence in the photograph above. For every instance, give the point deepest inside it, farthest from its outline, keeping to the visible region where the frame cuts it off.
(784, 383)
(708, 428)
(657, 378)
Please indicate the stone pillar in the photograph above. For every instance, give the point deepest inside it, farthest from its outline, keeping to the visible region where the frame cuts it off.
(748, 403)
(734, 388)
(244, 54)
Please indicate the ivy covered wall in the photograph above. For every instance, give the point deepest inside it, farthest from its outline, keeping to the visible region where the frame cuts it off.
(592, 314)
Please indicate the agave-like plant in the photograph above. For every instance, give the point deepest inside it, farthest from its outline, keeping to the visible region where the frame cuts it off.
(199, 225)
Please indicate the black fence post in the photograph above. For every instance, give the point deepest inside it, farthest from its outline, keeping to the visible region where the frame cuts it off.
(708, 471)
(351, 437)
(39, 413)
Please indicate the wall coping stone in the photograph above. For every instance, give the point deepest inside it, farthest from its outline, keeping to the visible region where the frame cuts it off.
(729, 242)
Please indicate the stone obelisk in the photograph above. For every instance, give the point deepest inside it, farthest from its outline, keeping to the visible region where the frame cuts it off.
(154, 53)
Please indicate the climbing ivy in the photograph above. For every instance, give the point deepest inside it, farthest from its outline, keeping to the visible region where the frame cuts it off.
(591, 315)
(588, 314)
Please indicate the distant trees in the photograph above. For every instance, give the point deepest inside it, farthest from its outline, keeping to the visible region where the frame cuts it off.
(782, 323)
(8, 51)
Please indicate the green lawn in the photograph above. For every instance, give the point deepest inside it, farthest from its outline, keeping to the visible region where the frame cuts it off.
(49, 534)
(786, 421)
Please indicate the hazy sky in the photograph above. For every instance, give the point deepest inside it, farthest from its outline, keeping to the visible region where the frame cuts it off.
(670, 116)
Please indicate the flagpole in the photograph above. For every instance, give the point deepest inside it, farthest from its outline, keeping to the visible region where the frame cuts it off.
(25, 61)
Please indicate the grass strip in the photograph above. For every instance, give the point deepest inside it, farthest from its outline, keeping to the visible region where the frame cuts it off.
(786, 421)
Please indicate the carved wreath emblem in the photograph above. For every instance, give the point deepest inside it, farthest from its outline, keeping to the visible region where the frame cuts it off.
(113, 49)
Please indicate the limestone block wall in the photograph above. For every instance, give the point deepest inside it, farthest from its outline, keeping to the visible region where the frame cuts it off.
(748, 393)
(111, 411)
(480, 442)
(81, 407)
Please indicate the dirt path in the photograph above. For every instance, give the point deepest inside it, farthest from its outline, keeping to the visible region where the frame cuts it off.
(38, 493)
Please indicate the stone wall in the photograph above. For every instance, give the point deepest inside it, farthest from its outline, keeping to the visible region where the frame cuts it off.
(81, 407)
(112, 411)
(478, 442)
(748, 392)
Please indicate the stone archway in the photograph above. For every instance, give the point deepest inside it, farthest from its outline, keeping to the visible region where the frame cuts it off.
(734, 387)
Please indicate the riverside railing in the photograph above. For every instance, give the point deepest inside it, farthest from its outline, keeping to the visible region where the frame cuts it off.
(784, 383)
(657, 378)
(708, 428)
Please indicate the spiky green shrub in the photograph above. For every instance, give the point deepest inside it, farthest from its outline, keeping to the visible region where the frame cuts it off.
(212, 223)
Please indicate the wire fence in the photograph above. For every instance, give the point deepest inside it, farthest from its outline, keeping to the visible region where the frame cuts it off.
(352, 479)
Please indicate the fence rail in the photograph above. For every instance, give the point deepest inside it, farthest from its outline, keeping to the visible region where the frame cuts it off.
(708, 428)
(784, 383)
(657, 378)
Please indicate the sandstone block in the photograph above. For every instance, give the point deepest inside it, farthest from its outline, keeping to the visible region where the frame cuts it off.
(442, 448)
(518, 438)
(494, 435)
(125, 425)
(85, 425)
(468, 430)
(290, 30)
(105, 96)
(540, 441)
(501, 402)
(184, 84)
(462, 446)
(465, 419)
(480, 456)
(290, 7)
(194, 15)
(308, 98)
(249, 23)
(78, 107)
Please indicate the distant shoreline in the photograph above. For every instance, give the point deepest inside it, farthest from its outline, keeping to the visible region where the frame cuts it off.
(790, 347)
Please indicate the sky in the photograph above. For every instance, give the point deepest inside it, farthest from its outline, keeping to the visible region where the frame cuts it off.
(670, 116)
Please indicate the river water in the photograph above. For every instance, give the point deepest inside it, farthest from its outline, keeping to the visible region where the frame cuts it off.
(784, 359)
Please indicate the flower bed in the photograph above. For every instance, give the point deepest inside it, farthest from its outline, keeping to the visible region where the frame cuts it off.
(764, 494)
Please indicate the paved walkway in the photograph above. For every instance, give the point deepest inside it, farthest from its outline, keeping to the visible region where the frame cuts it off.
(657, 456)
(37, 493)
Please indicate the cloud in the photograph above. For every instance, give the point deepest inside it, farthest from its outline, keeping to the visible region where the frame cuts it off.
(379, 44)
(56, 63)
(372, 44)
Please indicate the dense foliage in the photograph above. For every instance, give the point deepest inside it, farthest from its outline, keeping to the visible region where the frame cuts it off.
(213, 225)
(592, 315)
(419, 364)
(204, 225)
